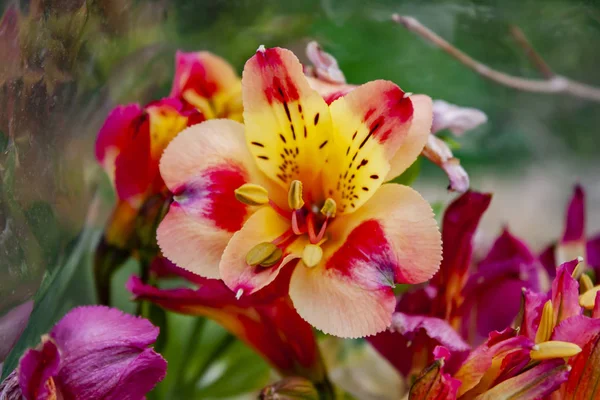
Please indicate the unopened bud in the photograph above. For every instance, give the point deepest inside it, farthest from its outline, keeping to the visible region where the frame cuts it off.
(295, 195)
(554, 349)
(587, 299)
(312, 255)
(329, 208)
(546, 323)
(252, 195)
(264, 254)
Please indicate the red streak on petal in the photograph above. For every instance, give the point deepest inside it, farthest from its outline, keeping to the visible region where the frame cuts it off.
(279, 85)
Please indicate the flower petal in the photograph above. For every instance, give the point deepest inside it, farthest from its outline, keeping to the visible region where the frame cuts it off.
(584, 378)
(369, 125)
(392, 239)
(208, 83)
(114, 134)
(533, 303)
(565, 293)
(593, 254)
(575, 221)
(548, 260)
(263, 226)
(536, 383)
(203, 166)
(458, 228)
(416, 138)
(36, 369)
(288, 126)
(411, 339)
(434, 384)
(438, 152)
(456, 119)
(578, 329)
(105, 354)
(12, 325)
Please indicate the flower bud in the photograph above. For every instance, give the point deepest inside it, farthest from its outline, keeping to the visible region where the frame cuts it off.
(293, 388)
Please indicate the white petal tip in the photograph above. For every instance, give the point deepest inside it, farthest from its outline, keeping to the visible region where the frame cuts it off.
(261, 48)
(239, 293)
(580, 259)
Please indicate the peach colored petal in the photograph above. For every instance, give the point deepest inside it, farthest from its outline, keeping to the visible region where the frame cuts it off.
(392, 239)
(263, 226)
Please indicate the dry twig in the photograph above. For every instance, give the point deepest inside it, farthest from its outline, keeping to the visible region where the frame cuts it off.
(552, 83)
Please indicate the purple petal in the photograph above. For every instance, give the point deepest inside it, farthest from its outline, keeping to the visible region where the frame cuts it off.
(593, 253)
(455, 118)
(548, 260)
(575, 221)
(596, 310)
(412, 335)
(532, 312)
(565, 293)
(460, 222)
(11, 326)
(105, 354)
(36, 367)
(536, 383)
(578, 329)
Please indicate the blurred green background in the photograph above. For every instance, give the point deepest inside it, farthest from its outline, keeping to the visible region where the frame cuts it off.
(65, 63)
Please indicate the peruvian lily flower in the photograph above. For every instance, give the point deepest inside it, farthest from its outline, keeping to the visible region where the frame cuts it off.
(574, 242)
(326, 78)
(265, 321)
(94, 352)
(302, 182)
(463, 297)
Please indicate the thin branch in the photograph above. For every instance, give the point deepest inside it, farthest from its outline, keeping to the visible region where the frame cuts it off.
(555, 84)
(530, 52)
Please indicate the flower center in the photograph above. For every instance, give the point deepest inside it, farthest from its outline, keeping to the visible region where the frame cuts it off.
(306, 218)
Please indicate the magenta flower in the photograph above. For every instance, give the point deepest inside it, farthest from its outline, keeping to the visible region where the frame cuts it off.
(94, 352)
(574, 242)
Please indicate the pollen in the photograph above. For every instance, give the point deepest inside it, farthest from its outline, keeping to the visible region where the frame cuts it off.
(329, 208)
(312, 255)
(265, 254)
(554, 349)
(252, 195)
(588, 299)
(295, 200)
(546, 323)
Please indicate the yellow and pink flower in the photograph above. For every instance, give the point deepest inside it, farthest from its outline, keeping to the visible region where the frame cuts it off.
(301, 186)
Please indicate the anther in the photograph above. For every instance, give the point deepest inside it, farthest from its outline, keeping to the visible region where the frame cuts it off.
(252, 195)
(585, 283)
(264, 254)
(554, 349)
(587, 299)
(329, 208)
(312, 255)
(295, 195)
(546, 323)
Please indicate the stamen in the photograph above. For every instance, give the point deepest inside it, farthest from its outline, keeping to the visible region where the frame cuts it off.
(295, 195)
(588, 299)
(310, 225)
(329, 208)
(554, 349)
(546, 323)
(296, 225)
(252, 195)
(585, 283)
(264, 254)
(312, 255)
(579, 269)
(285, 236)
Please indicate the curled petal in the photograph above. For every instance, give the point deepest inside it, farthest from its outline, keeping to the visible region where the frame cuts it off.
(438, 152)
(37, 368)
(203, 167)
(12, 325)
(392, 239)
(369, 126)
(434, 384)
(329, 91)
(536, 383)
(416, 139)
(265, 226)
(455, 118)
(209, 83)
(533, 303)
(411, 337)
(325, 66)
(288, 126)
(565, 293)
(458, 228)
